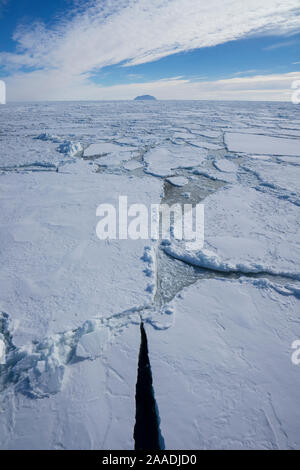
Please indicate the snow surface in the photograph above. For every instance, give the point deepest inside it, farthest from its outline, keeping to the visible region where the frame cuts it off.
(114, 159)
(162, 160)
(225, 165)
(208, 145)
(236, 142)
(178, 180)
(222, 375)
(103, 148)
(292, 160)
(132, 165)
(71, 304)
(247, 231)
(277, 176)
(221, 169)
(64, 271)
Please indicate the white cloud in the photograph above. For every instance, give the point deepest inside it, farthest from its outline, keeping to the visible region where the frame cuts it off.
(246, 72)
(279, 45)
(108, 32)
(275, 87)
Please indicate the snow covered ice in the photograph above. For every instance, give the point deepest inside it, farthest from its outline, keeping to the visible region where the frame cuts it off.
(222, 374)
(220, 321)
(178, 180)
(251, 143)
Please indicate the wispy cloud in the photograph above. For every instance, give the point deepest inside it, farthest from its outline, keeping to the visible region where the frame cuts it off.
(279, 45)
(134, 76)
(276, 87)
(130, 32)
(3, 4)
(246, 72)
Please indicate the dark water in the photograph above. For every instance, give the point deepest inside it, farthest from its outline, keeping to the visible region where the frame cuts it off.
(147, 434)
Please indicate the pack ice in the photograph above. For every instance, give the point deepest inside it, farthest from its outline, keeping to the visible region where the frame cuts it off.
(220, 321)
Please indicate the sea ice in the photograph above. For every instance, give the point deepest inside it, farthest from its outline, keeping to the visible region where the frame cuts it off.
(292, 160)
(220, 350)
(132, 165)
(178, 180)
(225, 165)
(280, 176)
(251, 143)
(222, 375)
(63, 273)
(100, 149)
(246, 231)
(162, 160)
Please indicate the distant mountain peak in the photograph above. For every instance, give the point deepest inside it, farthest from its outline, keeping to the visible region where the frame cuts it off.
(144, 98)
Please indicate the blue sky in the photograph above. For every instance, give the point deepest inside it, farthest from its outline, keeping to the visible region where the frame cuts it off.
(15, 12)
(234, 58)
(175, 49)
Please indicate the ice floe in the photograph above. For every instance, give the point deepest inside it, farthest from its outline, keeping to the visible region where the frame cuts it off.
(285, 178)
(226, 364)
(246, 231)
(161, 161)
(103, 148)
(178, 180)
(65, 273)
(132, 165)
(225, 165)
(251, 143)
